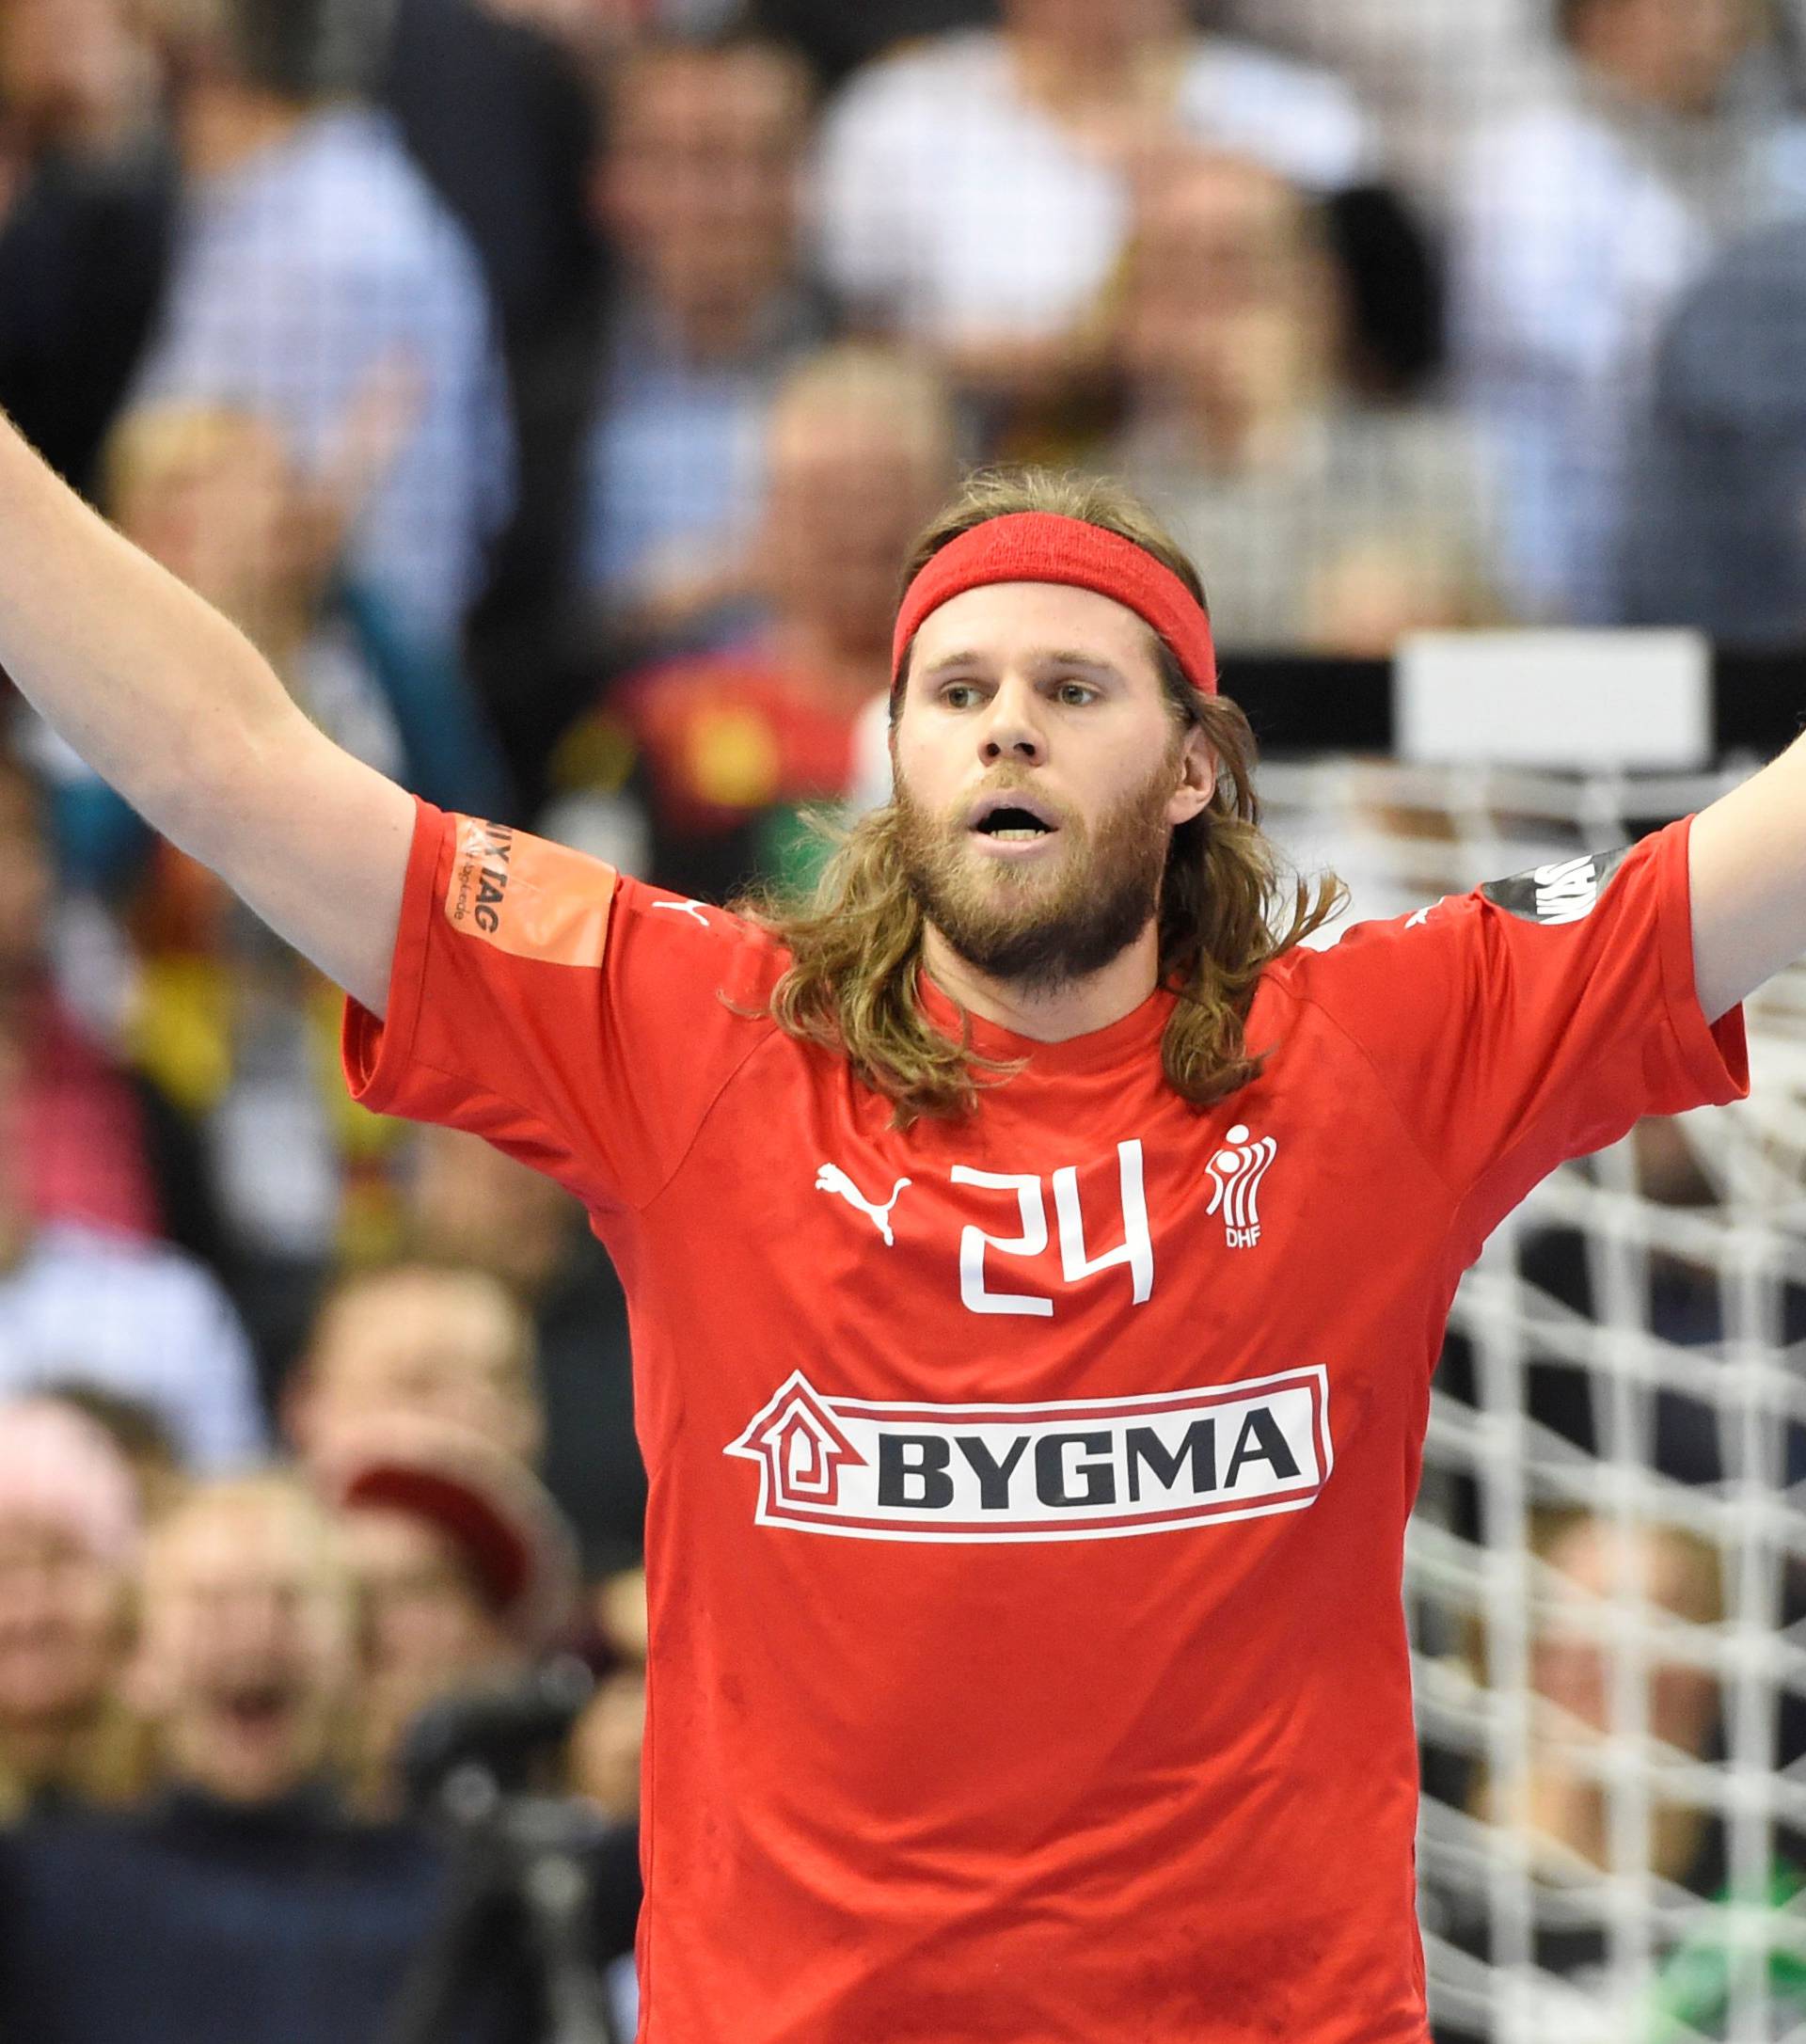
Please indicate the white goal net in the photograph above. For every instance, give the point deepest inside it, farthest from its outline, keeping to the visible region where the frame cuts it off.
(1604, 1573)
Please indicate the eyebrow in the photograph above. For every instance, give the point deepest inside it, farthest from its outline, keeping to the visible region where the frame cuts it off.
(1087, 662)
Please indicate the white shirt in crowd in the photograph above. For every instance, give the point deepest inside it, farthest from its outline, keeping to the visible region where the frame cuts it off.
(321, 263)
(1579, 221)
(142, 1320)
(954, 208)
(1428, 72)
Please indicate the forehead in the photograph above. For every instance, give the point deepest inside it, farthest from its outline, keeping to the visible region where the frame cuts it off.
(1009, 624)
(236, 1541)
(853, 431)
(405, 1323)
(706, 97)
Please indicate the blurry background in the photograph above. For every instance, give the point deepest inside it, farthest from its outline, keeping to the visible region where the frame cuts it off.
(550, 389)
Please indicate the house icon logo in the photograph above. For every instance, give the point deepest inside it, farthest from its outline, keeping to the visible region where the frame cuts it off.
(868, 1468)
(801, 1448)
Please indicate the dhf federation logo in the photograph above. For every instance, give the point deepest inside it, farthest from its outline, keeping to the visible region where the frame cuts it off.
(1069, 1469)
(1236, 1172)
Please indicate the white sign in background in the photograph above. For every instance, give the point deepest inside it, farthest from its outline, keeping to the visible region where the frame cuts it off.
(1557, 699)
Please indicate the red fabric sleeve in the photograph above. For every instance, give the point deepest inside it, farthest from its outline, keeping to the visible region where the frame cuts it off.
(574, 1018)
(1534, 1020)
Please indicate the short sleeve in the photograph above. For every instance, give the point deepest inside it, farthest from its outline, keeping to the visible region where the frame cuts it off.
(580, 1022)
(1534, 1020)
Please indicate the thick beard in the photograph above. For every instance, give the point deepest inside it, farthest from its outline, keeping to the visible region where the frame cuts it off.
(1037, 931)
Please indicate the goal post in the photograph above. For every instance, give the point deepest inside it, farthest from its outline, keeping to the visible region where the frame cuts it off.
(1605, 1569)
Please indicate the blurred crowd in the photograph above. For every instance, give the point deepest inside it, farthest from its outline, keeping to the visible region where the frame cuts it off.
(551, 389)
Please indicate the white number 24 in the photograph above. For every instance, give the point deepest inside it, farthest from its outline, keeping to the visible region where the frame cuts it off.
(1137, 1249)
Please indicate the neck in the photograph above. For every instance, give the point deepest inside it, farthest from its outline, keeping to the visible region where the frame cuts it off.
(223, 126)
(1240, 438)
(713, 328)
(1050, 1015)
(1068, 81)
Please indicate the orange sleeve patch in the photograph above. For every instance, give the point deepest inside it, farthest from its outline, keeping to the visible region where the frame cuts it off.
(527, 897)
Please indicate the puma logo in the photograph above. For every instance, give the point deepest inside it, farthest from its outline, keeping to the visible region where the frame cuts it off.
(832, 1178)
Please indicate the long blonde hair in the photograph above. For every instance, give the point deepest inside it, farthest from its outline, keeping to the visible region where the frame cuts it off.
(1226, 909)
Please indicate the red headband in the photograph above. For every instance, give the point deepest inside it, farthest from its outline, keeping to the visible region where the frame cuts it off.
(1037, 546)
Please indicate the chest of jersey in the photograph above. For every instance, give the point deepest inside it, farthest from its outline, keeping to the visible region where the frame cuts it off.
(1088, 1311)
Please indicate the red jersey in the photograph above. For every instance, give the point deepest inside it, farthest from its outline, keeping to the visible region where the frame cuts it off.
(1028, 1493)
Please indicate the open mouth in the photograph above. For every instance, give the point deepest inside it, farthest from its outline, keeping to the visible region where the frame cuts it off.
(1013, 819)
(1014, 827)
(257, 1707)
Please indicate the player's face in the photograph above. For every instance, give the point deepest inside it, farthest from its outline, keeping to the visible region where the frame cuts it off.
(1039, 777)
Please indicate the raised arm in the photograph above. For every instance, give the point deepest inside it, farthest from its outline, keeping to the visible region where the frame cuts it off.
(174, 707)
(1749, 882)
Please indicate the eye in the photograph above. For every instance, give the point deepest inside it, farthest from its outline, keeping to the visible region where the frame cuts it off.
(959, 695)
(1074, 694)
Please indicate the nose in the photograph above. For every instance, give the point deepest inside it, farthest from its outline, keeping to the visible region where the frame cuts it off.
(1011, 731)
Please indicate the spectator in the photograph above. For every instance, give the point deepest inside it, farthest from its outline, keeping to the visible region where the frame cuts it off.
(553, 1264)
(241, 1904)
(1659, 1572)
(698, 186)
(1601, 1591)
(311, 254)
(87, 194)
(147, 1446)
(450, 1345)
(860, 452)
(78, 75)
(468, 1573)
(975, 193)
(242, 1033)
(591, 29)
(501, 116)
(607, 1743)
(81, 1296)
(83, 1128)
(129, 1317)
(214, 494)
(1718, 541)
(1580, 217)
(1429, 73)
(839, 39)
(211, 492)
(237, 1029)
(1319, 521)
(69, 1535)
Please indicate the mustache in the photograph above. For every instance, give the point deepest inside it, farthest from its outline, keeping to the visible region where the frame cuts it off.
(1083, 913)
(1013, 781)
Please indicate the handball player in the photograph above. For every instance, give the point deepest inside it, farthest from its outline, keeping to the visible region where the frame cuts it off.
(1038, 1258)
